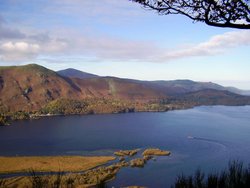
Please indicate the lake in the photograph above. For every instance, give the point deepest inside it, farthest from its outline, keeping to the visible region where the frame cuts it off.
(220, 134)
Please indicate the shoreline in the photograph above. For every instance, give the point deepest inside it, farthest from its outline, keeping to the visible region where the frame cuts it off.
(32, 116)
(172, 108)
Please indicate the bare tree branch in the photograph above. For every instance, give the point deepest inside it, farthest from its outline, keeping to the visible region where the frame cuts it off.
(218, 13)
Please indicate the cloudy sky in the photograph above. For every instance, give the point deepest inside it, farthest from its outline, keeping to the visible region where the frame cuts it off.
(120, 38)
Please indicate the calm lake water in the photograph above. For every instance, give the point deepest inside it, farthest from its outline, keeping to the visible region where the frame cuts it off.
(220, 134)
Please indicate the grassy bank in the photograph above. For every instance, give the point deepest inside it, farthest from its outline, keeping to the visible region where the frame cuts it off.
(51, 164)
(91, 177)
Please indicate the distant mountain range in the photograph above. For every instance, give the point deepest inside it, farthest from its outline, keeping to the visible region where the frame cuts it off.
(185, 86)
(31, 87)
(172, 87)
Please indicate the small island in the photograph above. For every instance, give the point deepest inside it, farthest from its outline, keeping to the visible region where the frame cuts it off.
(155, 152)
(139, 162)
(123, 153)
(146, 155)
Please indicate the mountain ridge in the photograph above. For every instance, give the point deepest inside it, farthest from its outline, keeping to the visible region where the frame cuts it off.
(181, 84)
(32, 87)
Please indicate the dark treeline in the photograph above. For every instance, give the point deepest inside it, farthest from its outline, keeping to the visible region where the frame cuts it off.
(7, 117)
(86, 106)
(235, 176)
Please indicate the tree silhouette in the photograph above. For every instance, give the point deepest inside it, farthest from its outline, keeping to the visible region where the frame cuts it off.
(218, 13)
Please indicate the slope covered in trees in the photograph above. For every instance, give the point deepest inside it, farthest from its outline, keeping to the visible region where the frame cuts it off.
(33, 89)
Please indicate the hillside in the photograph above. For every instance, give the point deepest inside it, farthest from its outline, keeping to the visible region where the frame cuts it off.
(30, 87)
(110, 87)
(171, 87)
(238, 91)
(214, 97)
(180, 87)
(33, 88)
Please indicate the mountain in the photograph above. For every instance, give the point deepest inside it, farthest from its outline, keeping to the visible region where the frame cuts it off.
(214, 97)
(111, 87)
(172, 87)
(179, 87)
(238, 91)
(31, 87)
(73, 73)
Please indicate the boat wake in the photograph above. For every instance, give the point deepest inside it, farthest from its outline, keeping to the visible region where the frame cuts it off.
(217, 142)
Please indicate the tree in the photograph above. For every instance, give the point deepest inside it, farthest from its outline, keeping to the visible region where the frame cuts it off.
(218, 13)
(3, 120)
(236, 175)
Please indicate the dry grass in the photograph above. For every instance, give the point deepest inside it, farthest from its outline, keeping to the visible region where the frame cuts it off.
(155, 152)
(124, 153)
(51, 164)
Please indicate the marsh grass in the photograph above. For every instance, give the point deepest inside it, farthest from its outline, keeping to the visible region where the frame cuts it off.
(51, 163)
(236, 175)
(58, 180)
(2, 183)
(48, 172)
(38, 181)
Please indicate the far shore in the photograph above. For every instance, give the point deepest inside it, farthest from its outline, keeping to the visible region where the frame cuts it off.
(169, 108)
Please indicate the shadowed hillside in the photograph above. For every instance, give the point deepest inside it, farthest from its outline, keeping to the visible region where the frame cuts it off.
(73, 73)
(179, 87)
(214, 97)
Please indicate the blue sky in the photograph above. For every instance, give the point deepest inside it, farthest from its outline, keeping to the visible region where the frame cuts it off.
(120, 38)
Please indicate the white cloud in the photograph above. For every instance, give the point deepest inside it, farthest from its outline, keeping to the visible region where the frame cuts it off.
(101, 48)
(21, 44)
(22, 47)
(18, 51)
(30, 50)
(215, 45)
(55, 46)
(112, 48)
(18, 45)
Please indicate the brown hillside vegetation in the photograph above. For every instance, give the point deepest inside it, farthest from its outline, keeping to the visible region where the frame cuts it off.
(33, 88)
(116, 88)
(30, 87)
